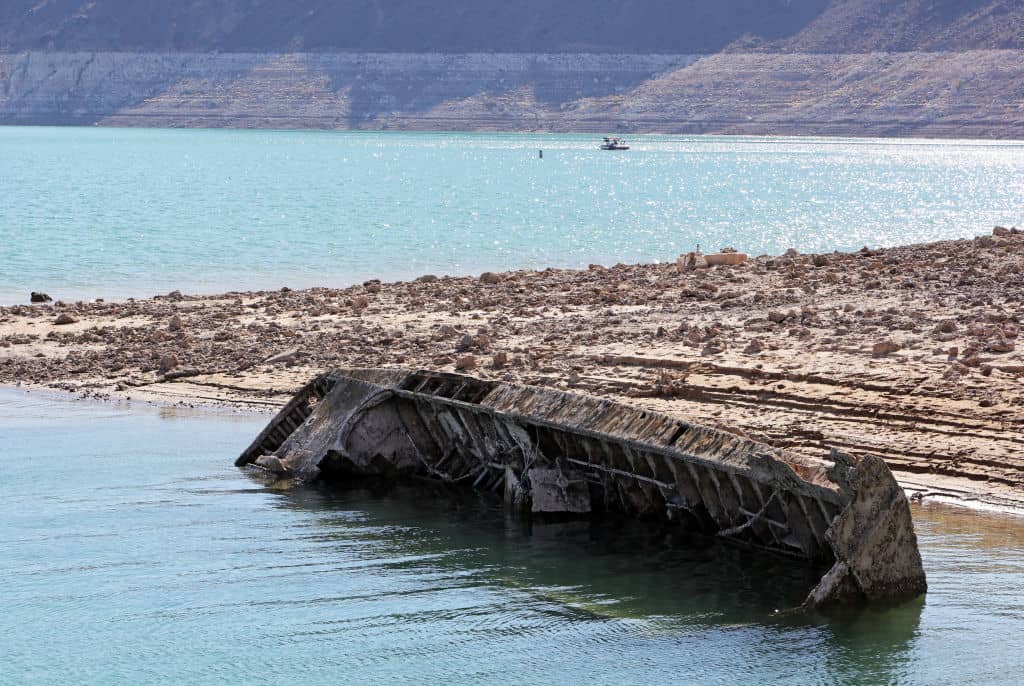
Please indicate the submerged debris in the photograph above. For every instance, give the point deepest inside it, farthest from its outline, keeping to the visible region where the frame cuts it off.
(551, 452)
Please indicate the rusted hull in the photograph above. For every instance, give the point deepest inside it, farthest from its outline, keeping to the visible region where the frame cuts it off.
(560, 453)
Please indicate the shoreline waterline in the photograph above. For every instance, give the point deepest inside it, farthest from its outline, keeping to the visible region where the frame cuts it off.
(148, 535)
(922, 488)
(835, 346)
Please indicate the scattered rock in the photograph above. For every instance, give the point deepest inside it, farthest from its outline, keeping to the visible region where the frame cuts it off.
(730, 259)
(181, 374)
(447, 331)
(499, 360)
(40, 297)
(1000, 344)
(175, 324)
(284, 357)
(883, 348)
(360, 303)
(754, 347)
(955, 371)
(427, 278)
(715, 347)
(490, 278)
(167, 363)
(64, 319)
(946, 326)
(791, 252)
(465, 363)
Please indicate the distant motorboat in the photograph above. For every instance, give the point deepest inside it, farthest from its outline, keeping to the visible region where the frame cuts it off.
(614, 144)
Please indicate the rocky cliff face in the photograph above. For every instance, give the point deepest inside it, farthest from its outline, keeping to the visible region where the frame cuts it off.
(858, 26)
(525, 26)
(959, 94)
(530, 26)
(844, 67)
(309, 90)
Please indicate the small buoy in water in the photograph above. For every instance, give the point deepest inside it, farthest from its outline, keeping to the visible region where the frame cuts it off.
(541, 153)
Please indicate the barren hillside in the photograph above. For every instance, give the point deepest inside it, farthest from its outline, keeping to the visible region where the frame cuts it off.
(938, 68)
(627, 26)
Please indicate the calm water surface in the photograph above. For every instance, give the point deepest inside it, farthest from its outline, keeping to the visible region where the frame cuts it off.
(89, 212)
(131, 551)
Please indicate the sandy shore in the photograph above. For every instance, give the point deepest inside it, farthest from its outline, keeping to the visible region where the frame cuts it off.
(910, 353)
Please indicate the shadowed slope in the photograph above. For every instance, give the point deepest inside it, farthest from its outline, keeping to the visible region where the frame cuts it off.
(911, 25)
(398, 25)
(632, 26)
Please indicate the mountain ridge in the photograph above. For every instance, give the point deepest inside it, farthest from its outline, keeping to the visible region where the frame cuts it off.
(546, 26)
(932, 68)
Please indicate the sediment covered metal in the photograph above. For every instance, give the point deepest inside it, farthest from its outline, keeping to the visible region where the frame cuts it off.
(561, 453)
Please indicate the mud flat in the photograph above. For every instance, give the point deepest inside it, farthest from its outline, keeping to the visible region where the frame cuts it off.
(908, 353)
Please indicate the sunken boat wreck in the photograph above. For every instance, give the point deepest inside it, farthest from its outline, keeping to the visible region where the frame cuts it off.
(563, 454)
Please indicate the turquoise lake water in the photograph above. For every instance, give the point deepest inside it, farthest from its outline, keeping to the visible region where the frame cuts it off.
(134, 553)
(96, 212)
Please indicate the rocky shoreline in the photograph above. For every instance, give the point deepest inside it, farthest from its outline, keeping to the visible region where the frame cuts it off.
(910, 353)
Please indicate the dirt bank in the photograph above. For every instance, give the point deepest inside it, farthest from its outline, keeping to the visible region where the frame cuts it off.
(910, 353)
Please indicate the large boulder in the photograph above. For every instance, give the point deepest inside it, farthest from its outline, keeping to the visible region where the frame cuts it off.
(727, 259)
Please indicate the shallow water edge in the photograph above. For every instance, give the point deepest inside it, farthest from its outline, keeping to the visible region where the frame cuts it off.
(146, 546)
